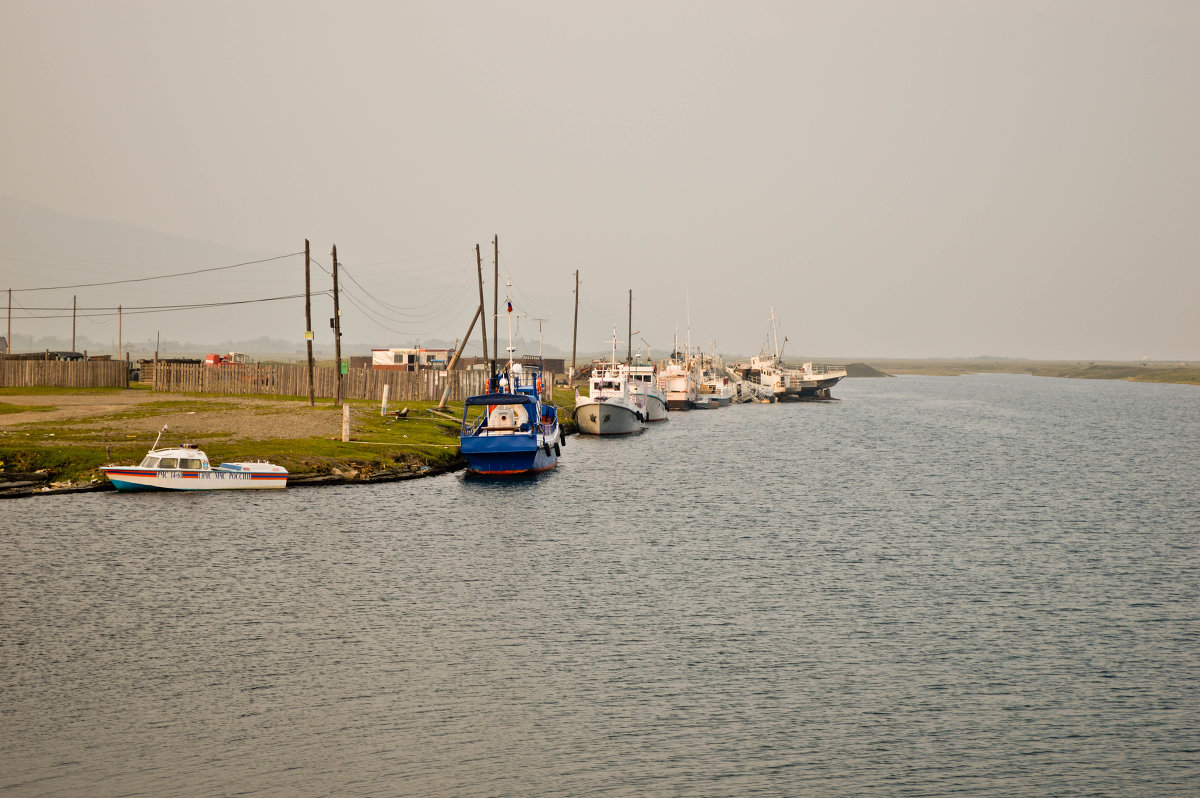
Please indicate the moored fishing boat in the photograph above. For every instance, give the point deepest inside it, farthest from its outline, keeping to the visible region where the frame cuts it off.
(812, 381)
(714, 389)
(186, 467)
(678, 379)
(643, 384)
(767, 376)
(610, 407)
(510, 431)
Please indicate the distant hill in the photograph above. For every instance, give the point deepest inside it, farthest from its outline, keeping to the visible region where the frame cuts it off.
(863, 370)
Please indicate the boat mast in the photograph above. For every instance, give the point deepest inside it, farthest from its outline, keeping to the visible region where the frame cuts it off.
(774, 333)
(688, 343)
(508, 301)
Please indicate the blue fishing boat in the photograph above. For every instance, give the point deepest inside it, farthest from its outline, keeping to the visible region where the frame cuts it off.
(510, 431)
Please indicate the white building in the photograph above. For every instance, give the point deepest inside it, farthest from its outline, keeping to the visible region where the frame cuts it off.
(410, 359)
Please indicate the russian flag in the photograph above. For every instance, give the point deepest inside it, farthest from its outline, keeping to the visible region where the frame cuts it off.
(510, 306)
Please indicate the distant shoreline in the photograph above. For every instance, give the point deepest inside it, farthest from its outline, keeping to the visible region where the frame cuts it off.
(1182, 373)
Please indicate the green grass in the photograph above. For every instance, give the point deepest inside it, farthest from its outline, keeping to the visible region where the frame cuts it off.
(5, 407)
(74, 449)
(65, 463)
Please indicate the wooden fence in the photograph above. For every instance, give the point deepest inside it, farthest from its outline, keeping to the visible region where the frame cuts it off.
(64, 373)
(405, 386)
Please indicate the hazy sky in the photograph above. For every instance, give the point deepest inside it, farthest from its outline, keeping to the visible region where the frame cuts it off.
(896, 178)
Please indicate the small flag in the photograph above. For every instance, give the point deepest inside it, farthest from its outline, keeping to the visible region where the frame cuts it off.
(510, 306)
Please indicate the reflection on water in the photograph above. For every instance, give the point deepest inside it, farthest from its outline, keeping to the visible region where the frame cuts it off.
(984, 584)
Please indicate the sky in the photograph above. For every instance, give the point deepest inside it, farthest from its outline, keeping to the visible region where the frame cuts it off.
(894, 179)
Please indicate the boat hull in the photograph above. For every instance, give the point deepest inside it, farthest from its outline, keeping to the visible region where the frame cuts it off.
(136, 478)
(505, 456)
(656, 409)
(604, 418)
(811, 389)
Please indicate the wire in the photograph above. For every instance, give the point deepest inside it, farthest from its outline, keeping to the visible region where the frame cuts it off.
(158, 277)
(140, 309)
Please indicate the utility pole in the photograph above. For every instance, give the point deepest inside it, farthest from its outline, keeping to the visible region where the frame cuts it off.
(458, 350)
(495, 298)
(482, 311)
(575, 330)
(308, 328)
(337, 330)
(8, 340)
(120, 329)
(629, 343)
(74, 307)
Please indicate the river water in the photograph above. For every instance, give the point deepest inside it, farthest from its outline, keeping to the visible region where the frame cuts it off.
(985, 585)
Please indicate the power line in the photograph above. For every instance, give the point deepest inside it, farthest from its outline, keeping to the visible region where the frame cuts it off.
(159, 276)
(139, 309)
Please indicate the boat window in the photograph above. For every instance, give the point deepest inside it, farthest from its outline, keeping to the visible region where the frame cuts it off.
(189, 463)
(150, 462)
(168, 462)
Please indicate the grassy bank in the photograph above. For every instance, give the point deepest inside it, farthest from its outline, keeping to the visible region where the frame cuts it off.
(69, 448)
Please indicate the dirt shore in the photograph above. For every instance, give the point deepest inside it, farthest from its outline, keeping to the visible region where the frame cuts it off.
(138, 414)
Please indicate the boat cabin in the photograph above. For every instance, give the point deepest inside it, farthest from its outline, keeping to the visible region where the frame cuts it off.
(501, 414)
(188, 456)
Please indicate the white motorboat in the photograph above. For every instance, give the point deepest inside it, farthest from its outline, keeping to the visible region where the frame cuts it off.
(186, 467)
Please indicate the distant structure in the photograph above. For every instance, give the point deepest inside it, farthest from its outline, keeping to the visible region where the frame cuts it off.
(48, 355)
(410, 359)
(3, 345)
(227, 359)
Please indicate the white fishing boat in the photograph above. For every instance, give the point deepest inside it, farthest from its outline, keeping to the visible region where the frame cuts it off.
(679, 381)
(186, 467)
(610, 407)
(763, 377)
(768, 377)
(714, 388)
(643, 384)
(812, 380)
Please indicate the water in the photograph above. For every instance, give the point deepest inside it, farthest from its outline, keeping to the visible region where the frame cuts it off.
(983, 585)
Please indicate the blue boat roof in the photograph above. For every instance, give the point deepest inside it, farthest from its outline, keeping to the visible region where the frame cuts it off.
(501, 399)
